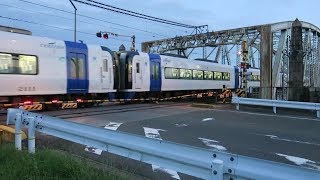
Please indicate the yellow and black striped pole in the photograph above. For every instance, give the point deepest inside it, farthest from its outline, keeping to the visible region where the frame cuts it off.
(244, 67)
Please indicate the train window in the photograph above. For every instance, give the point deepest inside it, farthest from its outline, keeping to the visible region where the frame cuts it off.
(6, 64)
(27, 64)
(208, 75)
(196, 74)
(217, 75)
(182, 73)
(157, 69)
(226, 76)
(138, 67)
(18, 64)
(188, 74)
(73, 68)
(171, 73)
(185, 74)
(105, 65)
(129, 71)
(81, 68)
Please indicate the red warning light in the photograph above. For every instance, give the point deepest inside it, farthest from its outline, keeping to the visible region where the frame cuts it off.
(27, 102)
(105, 36)
(54, 101)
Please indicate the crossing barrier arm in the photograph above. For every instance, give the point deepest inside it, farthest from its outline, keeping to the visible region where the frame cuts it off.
(277, 104)
(197, 162)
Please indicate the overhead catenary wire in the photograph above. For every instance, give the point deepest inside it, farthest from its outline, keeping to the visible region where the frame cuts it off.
(89, 17)
(57, 16)
(56, 27)
(120, 10)
(134, 15)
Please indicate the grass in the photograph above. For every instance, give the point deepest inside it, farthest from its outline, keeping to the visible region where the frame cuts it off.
(45, 164)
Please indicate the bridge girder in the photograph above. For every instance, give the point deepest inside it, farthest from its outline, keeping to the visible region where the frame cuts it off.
(220, 45)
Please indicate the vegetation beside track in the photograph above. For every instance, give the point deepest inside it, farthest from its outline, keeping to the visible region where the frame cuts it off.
(46, 164)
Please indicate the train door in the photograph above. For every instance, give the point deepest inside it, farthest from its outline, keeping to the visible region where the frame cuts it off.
(155, 75)
(138, 75)
(105, 74)
(77, 73)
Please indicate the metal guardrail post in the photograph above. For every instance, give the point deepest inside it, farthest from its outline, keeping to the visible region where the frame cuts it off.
(18, 132)
(274, 109)
(217, 169)
(236, 101)
(31, 136)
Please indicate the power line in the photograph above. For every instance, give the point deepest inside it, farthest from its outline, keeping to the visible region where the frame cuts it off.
(62, 17)
(56, 27)
(143, 15)
(133, 14)
(89, 17)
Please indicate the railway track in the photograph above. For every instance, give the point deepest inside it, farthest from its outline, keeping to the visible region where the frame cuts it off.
(75, 113)
(113, 108)
(104, 111)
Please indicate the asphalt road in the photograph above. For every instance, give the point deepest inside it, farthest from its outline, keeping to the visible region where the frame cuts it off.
(290, 137)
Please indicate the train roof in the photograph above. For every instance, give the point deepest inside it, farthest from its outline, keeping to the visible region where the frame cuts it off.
(15, 30)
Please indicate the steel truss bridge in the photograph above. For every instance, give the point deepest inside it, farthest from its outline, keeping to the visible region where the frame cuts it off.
(269, 41)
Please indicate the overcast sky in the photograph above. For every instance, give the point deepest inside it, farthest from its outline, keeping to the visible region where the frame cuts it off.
(218, 15)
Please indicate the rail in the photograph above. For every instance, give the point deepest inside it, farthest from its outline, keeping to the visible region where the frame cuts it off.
(197, 162)
(277, 104)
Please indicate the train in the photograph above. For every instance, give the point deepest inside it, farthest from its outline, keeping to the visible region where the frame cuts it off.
(40, 69)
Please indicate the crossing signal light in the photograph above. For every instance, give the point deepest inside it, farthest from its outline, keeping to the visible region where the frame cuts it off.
(102, 35)
(245, 65)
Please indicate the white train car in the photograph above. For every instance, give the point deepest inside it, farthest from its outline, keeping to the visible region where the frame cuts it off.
(42, 69)
(184, 74)
(254, 78)
(142, 75)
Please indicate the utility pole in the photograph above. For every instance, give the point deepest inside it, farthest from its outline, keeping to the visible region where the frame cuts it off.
(75, 21)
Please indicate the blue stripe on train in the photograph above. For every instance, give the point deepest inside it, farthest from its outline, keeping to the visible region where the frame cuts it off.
(77, 67)
(155, 72)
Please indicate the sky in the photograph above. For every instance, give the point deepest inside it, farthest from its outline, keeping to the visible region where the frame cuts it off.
(218, 15)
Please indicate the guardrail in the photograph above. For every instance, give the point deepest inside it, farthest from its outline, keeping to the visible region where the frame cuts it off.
(198, 162)
(277, 104)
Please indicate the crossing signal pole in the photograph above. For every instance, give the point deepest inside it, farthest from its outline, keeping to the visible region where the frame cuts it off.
(244, 67)
(75, 21)
(105, 35)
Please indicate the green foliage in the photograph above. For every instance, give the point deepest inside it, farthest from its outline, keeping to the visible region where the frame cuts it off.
(45, 164)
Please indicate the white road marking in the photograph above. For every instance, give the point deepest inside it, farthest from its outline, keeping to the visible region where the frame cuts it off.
(207, 119)
(182, 125)
(154, 133)
(212, 143)
(270, 115)
(289, 140)
(112, 126)
(301, 161)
